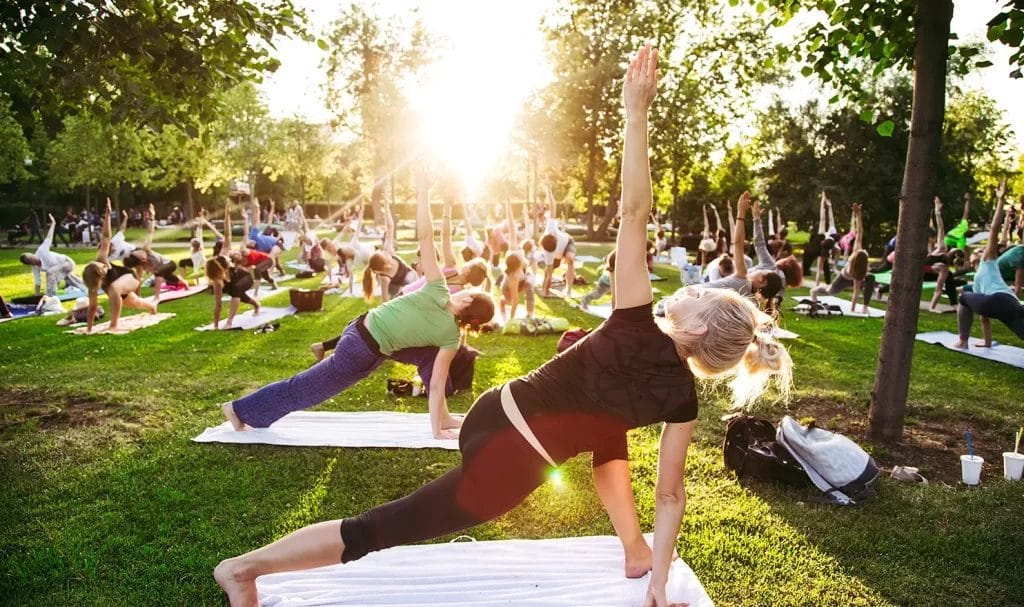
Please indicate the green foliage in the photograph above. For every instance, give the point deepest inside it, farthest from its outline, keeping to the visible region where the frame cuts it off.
(155, 62)
(369, 61)
(301, 151)
(14, 149)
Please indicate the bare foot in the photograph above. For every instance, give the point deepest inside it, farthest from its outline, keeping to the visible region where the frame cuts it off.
(256, 309)
(960, 343)
(229, 413)
(152, 307)
(451, 422)
(318, 351)
(639, 559)
(450, 433)
(983, 344)
(241, 589)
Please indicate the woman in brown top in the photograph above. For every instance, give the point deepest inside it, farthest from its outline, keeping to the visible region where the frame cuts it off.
(629, 372)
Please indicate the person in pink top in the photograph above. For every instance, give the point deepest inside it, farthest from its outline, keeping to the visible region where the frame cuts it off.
(472, 274)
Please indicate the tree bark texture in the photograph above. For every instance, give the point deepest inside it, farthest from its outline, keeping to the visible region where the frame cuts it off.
(892, 379)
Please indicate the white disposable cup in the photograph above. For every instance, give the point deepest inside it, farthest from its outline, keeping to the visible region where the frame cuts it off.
(1013, 465)
(970, 468)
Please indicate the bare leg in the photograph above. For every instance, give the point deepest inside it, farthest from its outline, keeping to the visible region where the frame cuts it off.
(132, 300)
(232, 310)
(158, 283)
(313, 546)
(115, 308)
(612, 482)
(940, 282)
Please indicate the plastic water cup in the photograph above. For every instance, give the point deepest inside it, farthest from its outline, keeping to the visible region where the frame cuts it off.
(970, 468)
(1013, 465)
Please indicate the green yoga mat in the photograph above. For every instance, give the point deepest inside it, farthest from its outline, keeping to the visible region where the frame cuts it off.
(885, 278)
(535, 326)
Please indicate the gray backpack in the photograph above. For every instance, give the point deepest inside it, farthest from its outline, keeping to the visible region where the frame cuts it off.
(835, 464)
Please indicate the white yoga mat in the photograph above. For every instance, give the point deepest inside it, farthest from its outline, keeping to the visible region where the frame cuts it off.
(1000, 353)
(600, 310)
(126, 324)
(588, 259)
(166, 296)
(845, 306)
(655, 277)
(248, 320)
(560, 572)
(337, 429)
(784, 334)
(357, 289)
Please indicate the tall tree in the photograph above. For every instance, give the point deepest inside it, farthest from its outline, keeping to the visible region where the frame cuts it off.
(14, 149)
(156, 61)
(369, 60)
(241, 133)
(893, 35)
(300, 151)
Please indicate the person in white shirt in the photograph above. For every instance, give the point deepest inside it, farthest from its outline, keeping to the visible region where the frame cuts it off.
(557, 246)
(57, 267)
(119, 247)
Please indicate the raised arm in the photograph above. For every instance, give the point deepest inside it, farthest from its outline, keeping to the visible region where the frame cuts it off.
(764, 256)
(718, 219)
(124, 221)
(967, 207)
(105, 236)
(992, 248)
(771, 223)
(389, 228)
(49, 233)
(634, 285)
(226, 248)
(513, 234)
(940, 229)
(822, 217)
(831, 218)
(728, 208)
(858, 227)
(707, 226)
(149, 232)
(446, 235)
(739, 236)
(425, 227)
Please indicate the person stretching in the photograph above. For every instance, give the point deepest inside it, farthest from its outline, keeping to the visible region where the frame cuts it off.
(197, 253)
(57, 267)
(428, 317)
(557, 247)
(259, 262)
(227, 278)
(605, 284)
(940, 261)
(472, 273)
(1011, 267)
(120, 283)
(855, 273)
(519, 272)
(387, 266)
(957, 237)
(991, 297)
(145, 258)
(629, 372)
(270, 245)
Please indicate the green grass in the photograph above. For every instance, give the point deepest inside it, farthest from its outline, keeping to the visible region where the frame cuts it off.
(114, 505)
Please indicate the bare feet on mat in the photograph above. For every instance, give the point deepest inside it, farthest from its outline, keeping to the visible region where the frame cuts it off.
(451, 423)
(241, 590)
(449, 434)
(318, 351)
(639, 559)
(960, 343)
(229, 413)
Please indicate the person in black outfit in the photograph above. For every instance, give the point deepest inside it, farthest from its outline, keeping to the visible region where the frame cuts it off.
(627, 373)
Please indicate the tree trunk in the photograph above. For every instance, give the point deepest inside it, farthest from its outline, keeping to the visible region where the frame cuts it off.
(190, 205)
(590, 186)
(613, 204)
(892, 379)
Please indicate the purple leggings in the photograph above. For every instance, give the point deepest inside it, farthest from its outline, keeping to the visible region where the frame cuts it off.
(353, 360)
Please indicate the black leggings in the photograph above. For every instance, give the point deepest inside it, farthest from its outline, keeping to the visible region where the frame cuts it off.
(166, 271)
(240, 283)
(499, 470)
(262, 269)
(1000, 306)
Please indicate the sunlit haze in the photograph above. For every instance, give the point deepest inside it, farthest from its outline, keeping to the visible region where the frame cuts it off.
(493, 57)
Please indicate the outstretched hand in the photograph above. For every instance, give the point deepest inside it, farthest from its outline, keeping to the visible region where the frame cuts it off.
(743, 205)
(1000, 192)
(755, 208)
(641, 83)
(108, 204)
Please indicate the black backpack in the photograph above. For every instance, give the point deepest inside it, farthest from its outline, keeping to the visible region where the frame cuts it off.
(750, 450)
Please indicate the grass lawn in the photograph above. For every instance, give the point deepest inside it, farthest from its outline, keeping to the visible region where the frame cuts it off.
(106, 501)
